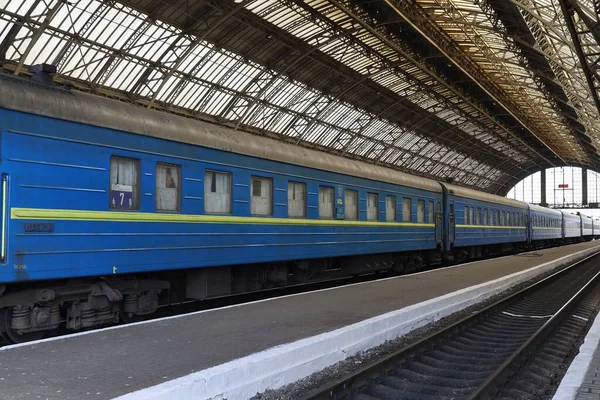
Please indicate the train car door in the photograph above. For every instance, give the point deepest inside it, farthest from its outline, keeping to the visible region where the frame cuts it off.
(438, 222)
(451, 224)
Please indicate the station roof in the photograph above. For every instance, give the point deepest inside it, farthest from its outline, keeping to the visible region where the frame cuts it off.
(481, 93)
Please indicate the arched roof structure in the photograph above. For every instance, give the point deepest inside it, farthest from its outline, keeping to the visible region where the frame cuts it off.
(480, 92)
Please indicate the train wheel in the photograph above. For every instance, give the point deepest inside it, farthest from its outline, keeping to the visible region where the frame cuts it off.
(13, 336)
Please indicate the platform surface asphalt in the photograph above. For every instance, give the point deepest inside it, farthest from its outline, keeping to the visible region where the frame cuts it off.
(108, 363)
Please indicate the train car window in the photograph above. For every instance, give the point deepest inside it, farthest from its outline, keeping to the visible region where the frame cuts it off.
(372, 206)
(485, 216)
(217, 192)
(326, 203)
(124, 183)
(168, 187)
(261, 200)
(478, 218)
(421, 211)
(351, 203)
(508, 219)
(296, 199)
(390, 208)
(466, 222)
(431, 220)
(471, 211)
(406, 209)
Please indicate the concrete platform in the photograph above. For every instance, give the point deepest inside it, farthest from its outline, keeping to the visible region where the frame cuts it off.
(237, 351)
(582, 380)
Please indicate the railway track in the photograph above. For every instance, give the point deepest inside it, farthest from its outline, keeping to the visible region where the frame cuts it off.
(510, 349)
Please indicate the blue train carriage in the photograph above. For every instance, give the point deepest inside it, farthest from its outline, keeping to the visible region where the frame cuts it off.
(104, 212)
(587, 227)
(571, 227)
(480, 224)
(545, 226)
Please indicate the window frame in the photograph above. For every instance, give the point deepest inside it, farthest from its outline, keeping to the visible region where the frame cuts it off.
(215, 171)
(138, 190)
(369, 194)
(346, 205)
(179, 189)
(431, 212)
(422, 216)
(409, 202)
(305, 200)
(394, 215)
(271, 197)
(333, 205)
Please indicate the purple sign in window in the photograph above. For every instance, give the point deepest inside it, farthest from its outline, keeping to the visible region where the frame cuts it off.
(121, 199)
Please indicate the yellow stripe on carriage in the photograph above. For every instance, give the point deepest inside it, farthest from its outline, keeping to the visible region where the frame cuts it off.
(488, 227)
(126, 216)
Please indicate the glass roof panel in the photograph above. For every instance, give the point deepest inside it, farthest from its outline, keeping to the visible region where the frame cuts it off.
(120, 48)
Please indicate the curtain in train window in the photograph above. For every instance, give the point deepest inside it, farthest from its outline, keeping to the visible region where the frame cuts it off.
(471, 218)
(485, 217)
(296, 199)
(261, 199)
(477, 216)
(431, 219)
(390, 208)
(217, 192)
(124, 183)
(326, 202)
(420, 211)
(372, 206)
(466, 215)
(406, 210)
(351, 204)
(167, 187)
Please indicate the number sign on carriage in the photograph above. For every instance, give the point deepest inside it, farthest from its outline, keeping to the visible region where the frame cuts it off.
(121, 196)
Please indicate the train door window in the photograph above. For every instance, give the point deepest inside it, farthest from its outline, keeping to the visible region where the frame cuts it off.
(168, 187)
(390, 208)
(261, 199)
(372, 206)
(351, 203)
(124, 183)
(326, 202)
(430, 214)
(217, 192)
(406, 210)
(421, 211)
(296, 199)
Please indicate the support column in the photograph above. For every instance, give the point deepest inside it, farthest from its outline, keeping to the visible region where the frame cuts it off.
(584, 187)
(543, 202)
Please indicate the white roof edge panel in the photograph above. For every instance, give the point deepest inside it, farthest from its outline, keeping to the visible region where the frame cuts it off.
(569, 214)
(476, 195)
(99, 111)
